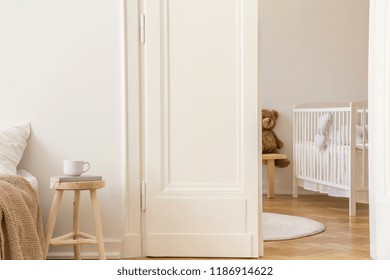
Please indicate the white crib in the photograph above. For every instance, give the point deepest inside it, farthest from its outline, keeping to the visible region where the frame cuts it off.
(330, 153)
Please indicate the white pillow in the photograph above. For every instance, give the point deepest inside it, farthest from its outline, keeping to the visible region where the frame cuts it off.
(13, 141)
(321, 141)
(324, 123)
(361, 133)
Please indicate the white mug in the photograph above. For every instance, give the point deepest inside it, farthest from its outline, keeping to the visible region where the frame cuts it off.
(75, 167)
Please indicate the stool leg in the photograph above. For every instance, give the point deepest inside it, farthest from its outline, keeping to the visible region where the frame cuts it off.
(76, 224)
(98, 226)
(51, 221)
(270, 178)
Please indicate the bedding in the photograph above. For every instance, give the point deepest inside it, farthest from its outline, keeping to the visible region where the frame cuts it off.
(21, 229)
(323, 125)
(29, 177)
(361, 134)
(338, 169)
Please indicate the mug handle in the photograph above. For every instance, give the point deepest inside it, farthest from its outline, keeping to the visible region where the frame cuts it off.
(88, 166)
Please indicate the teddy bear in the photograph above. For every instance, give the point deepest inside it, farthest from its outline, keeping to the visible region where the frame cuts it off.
(271, 142)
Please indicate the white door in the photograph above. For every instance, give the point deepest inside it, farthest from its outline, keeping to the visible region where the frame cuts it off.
(200, 128)
(379, 128)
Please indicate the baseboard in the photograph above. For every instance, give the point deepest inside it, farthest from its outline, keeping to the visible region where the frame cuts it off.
(112, 248)
(286, 189)
(131, 246)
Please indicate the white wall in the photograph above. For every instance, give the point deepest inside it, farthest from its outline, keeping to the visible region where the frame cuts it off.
(61, 69)
(312, 51)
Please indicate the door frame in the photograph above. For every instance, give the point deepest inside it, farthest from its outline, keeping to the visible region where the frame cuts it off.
(379, 126)
(132, 133)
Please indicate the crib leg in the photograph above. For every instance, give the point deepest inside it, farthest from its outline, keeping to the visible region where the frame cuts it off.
(352, 192)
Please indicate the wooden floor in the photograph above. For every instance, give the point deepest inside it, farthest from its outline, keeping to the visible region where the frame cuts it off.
(345, 238)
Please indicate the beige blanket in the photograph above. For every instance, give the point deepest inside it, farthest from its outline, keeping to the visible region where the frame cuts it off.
(21, 230)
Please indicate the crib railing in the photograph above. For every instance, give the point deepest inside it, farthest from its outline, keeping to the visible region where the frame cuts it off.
(333, 162)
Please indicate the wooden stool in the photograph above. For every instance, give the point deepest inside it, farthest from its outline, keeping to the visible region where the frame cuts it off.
(269, 160)
(76, 237)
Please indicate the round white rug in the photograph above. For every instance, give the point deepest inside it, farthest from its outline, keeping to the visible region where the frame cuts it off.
(283, 227)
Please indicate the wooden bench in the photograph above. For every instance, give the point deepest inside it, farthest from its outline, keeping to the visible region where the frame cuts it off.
(269, 160)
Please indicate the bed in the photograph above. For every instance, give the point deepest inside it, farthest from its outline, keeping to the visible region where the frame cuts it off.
(330, 150)
(21, 230)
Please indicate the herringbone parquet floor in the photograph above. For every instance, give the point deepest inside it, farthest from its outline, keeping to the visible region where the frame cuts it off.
(345, 238)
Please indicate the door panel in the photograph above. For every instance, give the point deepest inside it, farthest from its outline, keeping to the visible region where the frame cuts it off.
(201, 137)
(196, 108)
(214, 216)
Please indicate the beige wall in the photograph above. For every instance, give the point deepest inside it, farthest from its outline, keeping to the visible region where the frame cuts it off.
(61, 69)
(312, 51)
